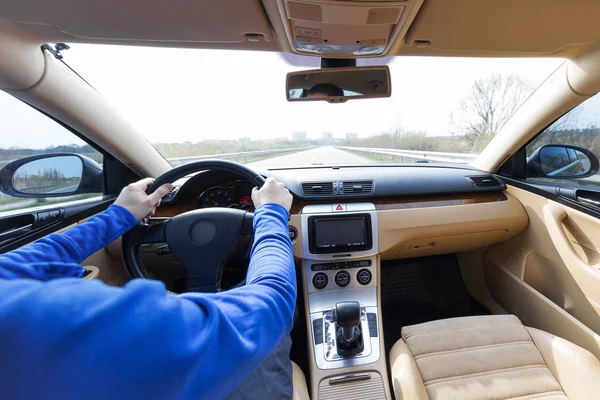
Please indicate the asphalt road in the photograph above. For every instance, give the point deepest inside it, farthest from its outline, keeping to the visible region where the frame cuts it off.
(66, 189)
(324, 155)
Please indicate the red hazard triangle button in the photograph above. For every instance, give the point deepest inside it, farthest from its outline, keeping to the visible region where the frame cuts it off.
(339, 208)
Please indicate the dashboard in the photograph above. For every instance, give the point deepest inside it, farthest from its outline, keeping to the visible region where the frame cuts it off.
(419, 209)
(231, 194)
(414, 210)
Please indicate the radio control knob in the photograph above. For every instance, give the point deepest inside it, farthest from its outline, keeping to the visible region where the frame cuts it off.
(363, 276)
(342, 278)
(320, 280)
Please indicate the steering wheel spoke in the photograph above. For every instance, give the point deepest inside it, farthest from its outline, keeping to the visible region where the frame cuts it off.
(155, 231)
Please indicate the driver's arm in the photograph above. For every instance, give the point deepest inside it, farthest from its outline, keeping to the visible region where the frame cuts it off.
(68, 338)
(57, 255)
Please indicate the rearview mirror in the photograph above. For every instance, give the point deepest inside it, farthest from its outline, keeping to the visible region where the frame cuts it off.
(337, 85)
(562, 162)
(51, 175)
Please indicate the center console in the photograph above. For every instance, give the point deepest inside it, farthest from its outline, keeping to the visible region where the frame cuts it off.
(341, 266)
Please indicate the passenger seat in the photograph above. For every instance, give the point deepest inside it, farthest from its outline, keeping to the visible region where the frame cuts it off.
(490, 358)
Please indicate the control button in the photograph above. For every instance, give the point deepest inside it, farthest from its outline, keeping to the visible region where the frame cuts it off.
(319, 339)
(308, 39)
(363, 276)
(342, 278)
(339, 207)
(54, 215)
(318, 330)
(320, 280)
(293, 234)
(373, 332)
(372, 42)
(316, 33)
(43, 218)
(318, 267)
(162, 250)
(371, 316)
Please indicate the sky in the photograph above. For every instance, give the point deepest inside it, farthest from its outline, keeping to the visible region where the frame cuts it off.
(177, 95)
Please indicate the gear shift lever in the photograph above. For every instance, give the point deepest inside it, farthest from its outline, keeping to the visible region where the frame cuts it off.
(349, 334)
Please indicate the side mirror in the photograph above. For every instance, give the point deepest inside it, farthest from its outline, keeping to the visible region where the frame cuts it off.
(562, 162)
(51, 175)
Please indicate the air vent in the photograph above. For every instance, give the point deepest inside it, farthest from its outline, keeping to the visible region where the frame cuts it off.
(136, 170)
(317, 188)
(501, 162)
(357, 187)
(485, 181)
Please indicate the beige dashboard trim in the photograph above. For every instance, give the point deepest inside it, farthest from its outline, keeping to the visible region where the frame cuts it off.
(408, 232)
(448, 229)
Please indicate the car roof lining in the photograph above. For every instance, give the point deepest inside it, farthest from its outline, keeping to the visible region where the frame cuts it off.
(465, 28)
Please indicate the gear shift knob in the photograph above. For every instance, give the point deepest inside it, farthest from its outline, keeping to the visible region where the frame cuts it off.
(347, 317)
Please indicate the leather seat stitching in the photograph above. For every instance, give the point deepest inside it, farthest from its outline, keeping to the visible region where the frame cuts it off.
(414, 382)
(478, 374)
(464, 349)
(462, 328)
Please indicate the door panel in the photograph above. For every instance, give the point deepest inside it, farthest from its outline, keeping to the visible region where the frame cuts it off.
(539, 275)
(543, 256)
(25, 226)
(568, 230)
(107, 260)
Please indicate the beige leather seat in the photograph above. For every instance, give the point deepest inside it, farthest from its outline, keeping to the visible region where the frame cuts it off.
(299, 383)
(490, 357)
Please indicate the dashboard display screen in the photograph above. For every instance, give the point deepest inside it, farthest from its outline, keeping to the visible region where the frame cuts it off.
(339, 234)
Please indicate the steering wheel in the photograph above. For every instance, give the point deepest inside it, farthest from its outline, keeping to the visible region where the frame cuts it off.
(203, 240)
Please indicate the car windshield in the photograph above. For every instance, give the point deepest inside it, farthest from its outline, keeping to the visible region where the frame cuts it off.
(192, 104)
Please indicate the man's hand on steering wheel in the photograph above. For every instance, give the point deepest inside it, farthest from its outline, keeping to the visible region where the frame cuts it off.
(134, 198)
(204, 240)
(272, 192)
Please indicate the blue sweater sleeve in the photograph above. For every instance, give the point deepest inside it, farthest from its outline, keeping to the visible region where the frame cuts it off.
(58, 254)
(72, 339)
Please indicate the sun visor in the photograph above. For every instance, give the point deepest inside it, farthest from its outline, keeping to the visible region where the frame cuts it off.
(21, 59)
(223, 21)
(512, 27)
(332, 28)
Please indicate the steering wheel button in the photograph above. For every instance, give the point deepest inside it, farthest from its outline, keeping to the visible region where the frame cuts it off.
(162, 250)
(320, 280)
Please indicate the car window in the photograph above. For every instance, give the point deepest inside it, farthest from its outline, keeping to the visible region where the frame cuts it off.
(568, 150)
(27, 133)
